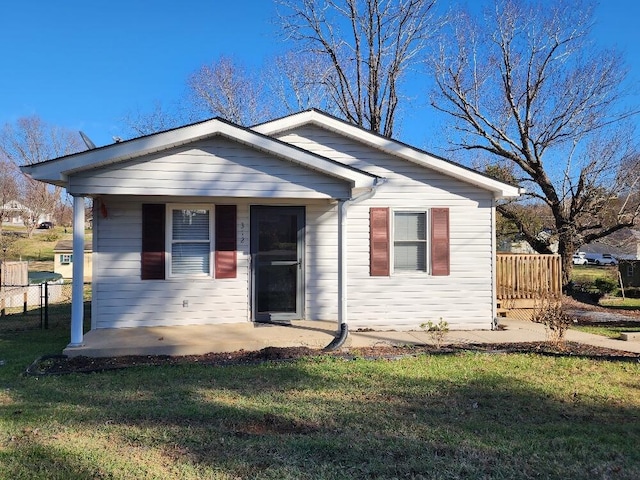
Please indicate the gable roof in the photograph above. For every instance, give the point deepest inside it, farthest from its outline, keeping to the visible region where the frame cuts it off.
(58, 170)
(66, 245)
(260, 137)
(388, 145)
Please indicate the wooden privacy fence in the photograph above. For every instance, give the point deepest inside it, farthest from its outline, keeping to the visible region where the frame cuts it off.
(528, 278)
(14, 279)
(14, 273)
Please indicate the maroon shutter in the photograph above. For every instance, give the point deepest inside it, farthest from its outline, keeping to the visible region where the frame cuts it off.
(379, 242)
(153, 238)
(439, 241)
(226, 243)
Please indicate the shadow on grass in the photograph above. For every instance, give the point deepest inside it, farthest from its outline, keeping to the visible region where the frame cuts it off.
(459, 416)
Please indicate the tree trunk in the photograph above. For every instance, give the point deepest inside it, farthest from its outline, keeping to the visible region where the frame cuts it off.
(566, 249)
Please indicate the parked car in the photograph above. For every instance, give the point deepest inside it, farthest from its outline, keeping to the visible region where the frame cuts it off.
(580, 258)
(45, 225)
(601, 259)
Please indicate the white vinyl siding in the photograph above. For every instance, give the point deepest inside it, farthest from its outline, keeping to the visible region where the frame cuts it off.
(122, 299)
(465, 298)
(410, 241)
(216, 167)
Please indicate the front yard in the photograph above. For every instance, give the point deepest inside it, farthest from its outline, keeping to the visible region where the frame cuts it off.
(446, 416)
(463, 415)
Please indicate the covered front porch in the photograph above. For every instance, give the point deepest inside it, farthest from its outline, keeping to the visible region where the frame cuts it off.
(201, 339)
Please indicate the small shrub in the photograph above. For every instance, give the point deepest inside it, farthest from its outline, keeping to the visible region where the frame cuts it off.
(605, 285)
(594, 290)
(437, 331)
(555, 320)
(51, 237)
(629, 292)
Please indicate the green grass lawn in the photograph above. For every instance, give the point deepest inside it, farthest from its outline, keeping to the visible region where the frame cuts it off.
(611, 331)
(37, 250)
(456, 416)
(618, 303)
(588, 273)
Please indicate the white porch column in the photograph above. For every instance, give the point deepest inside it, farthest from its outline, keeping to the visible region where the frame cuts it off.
(77, 292)
(342, 262)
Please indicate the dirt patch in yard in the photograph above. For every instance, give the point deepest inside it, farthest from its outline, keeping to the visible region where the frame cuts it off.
(58, 365)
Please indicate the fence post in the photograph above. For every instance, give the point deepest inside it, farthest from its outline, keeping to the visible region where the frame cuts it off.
(25, 297)
(46, 305)
(41, 305)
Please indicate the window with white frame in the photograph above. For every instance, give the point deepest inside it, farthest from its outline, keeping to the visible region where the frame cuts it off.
(189, 234)
(66, 258)
(410, 241)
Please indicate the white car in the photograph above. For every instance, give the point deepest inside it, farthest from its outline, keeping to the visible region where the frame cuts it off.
(580, 258)
(602, 259)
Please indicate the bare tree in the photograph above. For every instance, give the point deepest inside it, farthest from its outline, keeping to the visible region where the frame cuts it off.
(298, 81)
(159, 118)
(369, 45)
(63, 213)
(525, 85)
(31, 141)
(8, 188)
(225, 88)
(39, 201)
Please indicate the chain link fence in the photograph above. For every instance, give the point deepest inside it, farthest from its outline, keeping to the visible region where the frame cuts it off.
(44, 305)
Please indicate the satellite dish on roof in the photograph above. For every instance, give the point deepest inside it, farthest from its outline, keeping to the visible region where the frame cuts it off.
(87, 141)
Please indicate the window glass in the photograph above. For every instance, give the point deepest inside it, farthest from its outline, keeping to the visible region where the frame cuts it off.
(410, 241)
(190, 242)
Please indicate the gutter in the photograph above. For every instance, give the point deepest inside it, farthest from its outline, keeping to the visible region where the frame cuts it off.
(343, 206)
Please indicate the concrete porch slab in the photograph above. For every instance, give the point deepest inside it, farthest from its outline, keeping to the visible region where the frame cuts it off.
(249, 336)
(200, 339)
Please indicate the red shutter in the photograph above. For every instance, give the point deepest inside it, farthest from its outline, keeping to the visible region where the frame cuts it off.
(439, 241)
(226, 241)
(153, 239)
(379, 242)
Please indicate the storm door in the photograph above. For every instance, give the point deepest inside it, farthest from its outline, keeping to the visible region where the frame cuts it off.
(277, 253)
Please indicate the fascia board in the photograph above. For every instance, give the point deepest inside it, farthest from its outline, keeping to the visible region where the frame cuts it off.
(399, 149)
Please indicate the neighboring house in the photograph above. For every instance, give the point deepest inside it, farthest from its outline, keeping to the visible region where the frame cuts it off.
(519, 246)
(13, 212)
(623, 245)
(304, 217)
(629, 272)
(63, 259)
(522, 246)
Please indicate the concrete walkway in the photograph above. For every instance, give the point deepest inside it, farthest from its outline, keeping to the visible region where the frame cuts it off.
(199, 339)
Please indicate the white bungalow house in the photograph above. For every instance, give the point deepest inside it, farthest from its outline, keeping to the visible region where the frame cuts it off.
(304, 217)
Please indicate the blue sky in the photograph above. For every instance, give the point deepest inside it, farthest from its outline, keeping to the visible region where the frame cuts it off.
(84, 65)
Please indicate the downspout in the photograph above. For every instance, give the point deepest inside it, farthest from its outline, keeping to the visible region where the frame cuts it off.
(343, 205)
